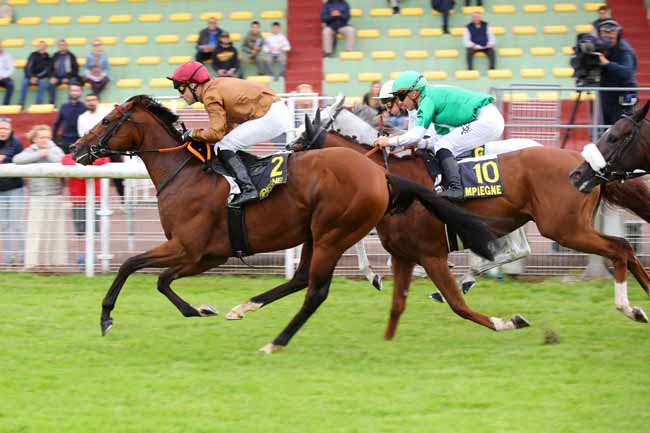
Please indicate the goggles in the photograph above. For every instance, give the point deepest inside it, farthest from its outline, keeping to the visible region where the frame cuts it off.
(180, 86)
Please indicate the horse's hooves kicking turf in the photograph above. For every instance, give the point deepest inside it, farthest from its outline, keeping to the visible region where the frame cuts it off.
(206, 310)
(639, 315)
(520, 321)
(106, 326)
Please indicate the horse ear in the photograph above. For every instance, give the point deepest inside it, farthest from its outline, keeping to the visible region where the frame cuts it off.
(317, 119)
(640, 115)
(308, 127)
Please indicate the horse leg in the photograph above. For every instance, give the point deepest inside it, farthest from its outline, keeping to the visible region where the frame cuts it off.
(439, 273)
(298, 282)
(402, 272)
(364, 266)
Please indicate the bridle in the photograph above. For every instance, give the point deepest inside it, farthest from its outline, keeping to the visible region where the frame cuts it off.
(101, 149)
(608, 173)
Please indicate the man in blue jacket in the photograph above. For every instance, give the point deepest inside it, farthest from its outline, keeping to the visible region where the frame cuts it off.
(335, 15)
(618, 69)
(68, 115)
(12, 204)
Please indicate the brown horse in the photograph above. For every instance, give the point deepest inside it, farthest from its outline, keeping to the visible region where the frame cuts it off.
(331, 200)
(536, 188)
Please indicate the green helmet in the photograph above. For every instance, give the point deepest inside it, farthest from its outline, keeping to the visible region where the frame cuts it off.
(409, 80)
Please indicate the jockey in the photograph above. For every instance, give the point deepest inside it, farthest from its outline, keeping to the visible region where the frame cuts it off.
(242, 113)
(471, 118)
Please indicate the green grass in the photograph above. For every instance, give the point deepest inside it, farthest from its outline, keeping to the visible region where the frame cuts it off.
(159, 372)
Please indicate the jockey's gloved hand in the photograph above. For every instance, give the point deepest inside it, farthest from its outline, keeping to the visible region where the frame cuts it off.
(186, 135)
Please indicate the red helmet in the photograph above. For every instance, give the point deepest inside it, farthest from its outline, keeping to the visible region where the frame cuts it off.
(190, 72)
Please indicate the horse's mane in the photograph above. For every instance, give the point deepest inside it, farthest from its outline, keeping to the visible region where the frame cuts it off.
(353, 139)
(160, 111)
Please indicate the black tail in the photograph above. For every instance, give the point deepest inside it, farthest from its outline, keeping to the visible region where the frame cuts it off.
(633, 195)
(476, 235)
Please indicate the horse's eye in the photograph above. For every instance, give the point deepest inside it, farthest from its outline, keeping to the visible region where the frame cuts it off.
(106, 122)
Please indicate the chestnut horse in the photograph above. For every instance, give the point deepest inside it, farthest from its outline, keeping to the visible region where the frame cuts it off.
(331, 200)
(536, 189)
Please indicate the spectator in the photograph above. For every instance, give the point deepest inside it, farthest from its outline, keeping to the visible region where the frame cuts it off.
(395, 5)
(276, 47)
(11, 197)
(6, 11)
(45, 245)
(251, 49)
(371, 98)
(6, 70)
(36, 72)
(335, 15)
(208, 40)
(478, 2)
(68, 115)
(604, 14)
(64, 69)
(443, 6)
(224, 59)
(479, 38)
(97, 68)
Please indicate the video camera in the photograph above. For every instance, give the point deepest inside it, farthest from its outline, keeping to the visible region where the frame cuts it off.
(585, 63)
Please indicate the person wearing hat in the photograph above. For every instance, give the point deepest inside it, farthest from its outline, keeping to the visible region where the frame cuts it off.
(224, 58)
(618, 66)
(464, 119)
(257, 112)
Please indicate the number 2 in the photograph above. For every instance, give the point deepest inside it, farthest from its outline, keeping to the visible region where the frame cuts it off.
(277, 160)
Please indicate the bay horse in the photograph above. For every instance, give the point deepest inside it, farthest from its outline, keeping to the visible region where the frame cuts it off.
(331, 200)
(536, 189)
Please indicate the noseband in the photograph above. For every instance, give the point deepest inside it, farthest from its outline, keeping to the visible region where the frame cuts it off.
(609, 173)
(101, 149)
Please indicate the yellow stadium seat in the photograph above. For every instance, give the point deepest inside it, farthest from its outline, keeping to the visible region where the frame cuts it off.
(531, 73)
(534, 9)
(445, 54)
(457, 31)
(136, 1)
(118, 61)
(416, 54)
(120, 19)
(180, 17)
(48, 41)
(193, 38)
(510, 52)
(412, 12)
(272, 15)
(555, 30)
(207, 15)
(106, 1)
(135, 40)
(337, 78)
(262, 79)
(150, 18)
(89, 19)
(593, 7)
(548, 96)
(468, 10)
(524, 30)
(399, 33)
(381, 12)
(564, 7)
(542, 51)
(20, 63)
(503, 9)
(351, 55)
(47, 2)
(178, 60)
(563, 72)
(10, 109)
(5, 21)
(40, 108)
(129, 83)
(197, 106)
(81, 61)
(369, 76)
(241, 15)
(167, 39)
(383, 55)
(467, 75)
(148, 60)
(59, 20)
(515, 97)
(13, 43)
(367, 33)
(76, 42)
(584, 97)
(160, 83)
(584, 28)
(567, 51)
(429, 31)
(435, 75)
(28, 21)
(356, 12)
(76, 2)
(18, 2)
(500, 73)
(437, 14)
(108, 40)
(498, 30)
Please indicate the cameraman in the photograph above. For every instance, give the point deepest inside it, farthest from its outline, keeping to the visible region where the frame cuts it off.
(618, 69)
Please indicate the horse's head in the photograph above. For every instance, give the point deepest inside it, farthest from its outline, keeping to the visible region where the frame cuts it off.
(313, 135)
(619, 151)
(122, 130)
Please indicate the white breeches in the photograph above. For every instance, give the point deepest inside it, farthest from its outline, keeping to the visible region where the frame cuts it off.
(276, 121)
(488, 126)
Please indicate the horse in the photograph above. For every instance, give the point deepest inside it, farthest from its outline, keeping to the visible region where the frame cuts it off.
(332, 198)
(620, 155)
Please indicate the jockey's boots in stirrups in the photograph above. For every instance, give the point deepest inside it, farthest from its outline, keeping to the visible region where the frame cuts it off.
(450, 170)
(248, 190)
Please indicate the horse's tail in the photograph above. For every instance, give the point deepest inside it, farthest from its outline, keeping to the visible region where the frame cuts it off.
(476, 234)
(633, 195)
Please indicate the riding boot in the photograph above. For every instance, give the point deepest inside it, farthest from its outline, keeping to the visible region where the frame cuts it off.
(248, 190)
(450, 170)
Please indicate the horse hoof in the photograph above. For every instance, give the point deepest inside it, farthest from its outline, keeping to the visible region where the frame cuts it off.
(206, 310)
(466, 286)
(639, 315)
(377, 283)
(437, 296)
(106, 326)
(270, 348)
(234, 314)
(520, 321)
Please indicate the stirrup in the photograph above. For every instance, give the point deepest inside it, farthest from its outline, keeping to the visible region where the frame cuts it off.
(243, 197)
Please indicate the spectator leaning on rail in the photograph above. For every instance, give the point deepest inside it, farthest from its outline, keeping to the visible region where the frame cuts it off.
(45, 245)
(618, 69)
(208, 40)
(335, 15)
(258, 113)
(6, 71)
(37, 69)
(478, 38)
(64, 69)
(67, 118)
(276, 47)
(11, 197)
